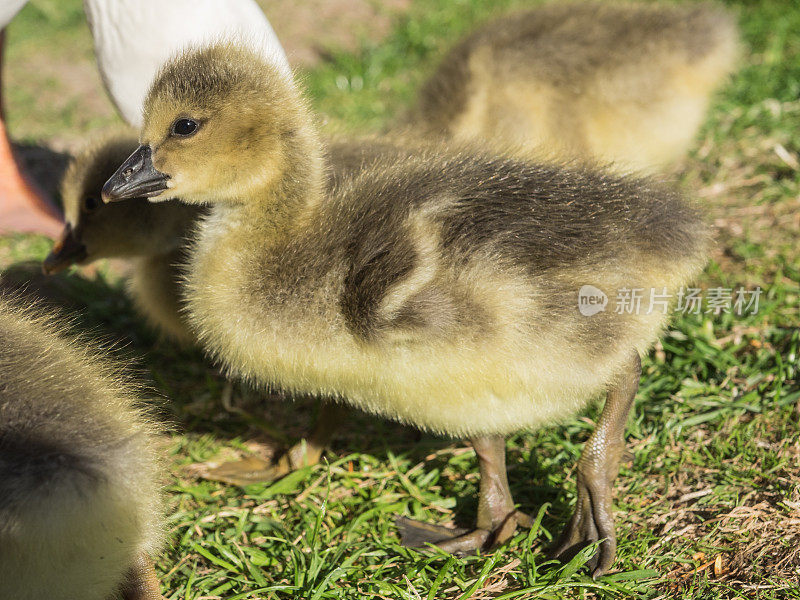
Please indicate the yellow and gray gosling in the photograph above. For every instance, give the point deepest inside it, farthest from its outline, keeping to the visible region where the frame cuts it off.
(439, 289)
(80, 504)
(152, 238)
(626, 83)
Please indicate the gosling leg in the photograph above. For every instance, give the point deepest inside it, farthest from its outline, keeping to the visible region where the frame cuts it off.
(304, 453)
(598, 466)
(309, 451)
(141, 582)
(497, 518)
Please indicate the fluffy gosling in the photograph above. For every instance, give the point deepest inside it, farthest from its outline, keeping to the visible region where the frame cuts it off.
(438, 288)
(151, 237)
(627, 83)
(80, 506)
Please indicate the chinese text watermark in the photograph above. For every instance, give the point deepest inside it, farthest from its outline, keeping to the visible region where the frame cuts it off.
(635, 301)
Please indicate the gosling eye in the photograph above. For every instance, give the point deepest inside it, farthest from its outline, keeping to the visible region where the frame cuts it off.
(184, 127)
(90, 204)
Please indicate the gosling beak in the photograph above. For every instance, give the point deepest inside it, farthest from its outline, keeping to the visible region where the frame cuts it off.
(66, 251)
(136, 178)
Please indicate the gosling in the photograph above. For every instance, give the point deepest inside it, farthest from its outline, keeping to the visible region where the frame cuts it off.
(152, 237)
(621, 83)
(80, 505)
(438, 289)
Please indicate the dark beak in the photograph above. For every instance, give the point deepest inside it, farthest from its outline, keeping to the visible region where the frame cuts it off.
(66, 252)
(136, 178)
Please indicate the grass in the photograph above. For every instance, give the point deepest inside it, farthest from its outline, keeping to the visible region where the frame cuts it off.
(708, 503)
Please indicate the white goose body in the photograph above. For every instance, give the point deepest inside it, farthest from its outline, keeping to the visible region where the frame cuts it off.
(134, 38)
(9, 9)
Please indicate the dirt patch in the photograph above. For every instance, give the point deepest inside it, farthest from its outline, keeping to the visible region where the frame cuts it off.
(69, 89)
(748, 182)
(748, 544)
(311, 28)
(759, 543)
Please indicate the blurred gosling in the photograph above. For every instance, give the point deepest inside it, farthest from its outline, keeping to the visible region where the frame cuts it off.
(80, 504)
(621, 83)
(152, 238)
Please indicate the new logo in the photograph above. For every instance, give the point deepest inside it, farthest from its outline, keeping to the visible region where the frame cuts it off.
(591, 300)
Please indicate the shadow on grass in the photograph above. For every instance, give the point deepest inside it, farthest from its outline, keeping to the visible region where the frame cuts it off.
(44, 165)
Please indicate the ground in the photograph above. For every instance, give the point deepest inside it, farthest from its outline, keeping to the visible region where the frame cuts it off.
(708, 502)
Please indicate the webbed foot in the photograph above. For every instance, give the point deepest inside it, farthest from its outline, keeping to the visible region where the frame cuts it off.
(23, 206)
(592, 521)
(417, 534)
(457, 540)
(304, 453)
(497, 519)
(256, 470)
(247, 471)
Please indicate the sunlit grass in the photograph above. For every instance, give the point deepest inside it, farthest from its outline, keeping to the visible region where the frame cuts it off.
(713, 438)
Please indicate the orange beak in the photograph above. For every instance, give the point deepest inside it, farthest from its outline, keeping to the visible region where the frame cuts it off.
(67, 251)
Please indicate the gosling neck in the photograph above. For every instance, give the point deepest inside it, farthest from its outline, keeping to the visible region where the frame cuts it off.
(296, 190)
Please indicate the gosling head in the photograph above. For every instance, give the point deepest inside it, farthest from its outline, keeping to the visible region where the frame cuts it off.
(221, 124)
(127, 229)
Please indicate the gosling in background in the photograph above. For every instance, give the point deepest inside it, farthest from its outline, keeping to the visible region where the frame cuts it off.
(80, 504)
(152, 238)
(438, 289)
(621, 83)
